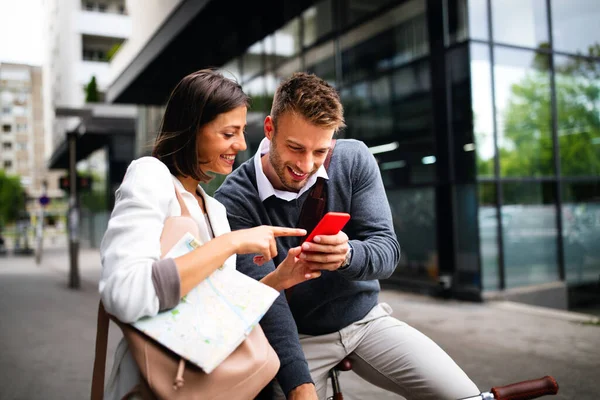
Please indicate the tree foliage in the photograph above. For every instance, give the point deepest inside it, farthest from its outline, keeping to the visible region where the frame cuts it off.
(96, 199)
(11, 197)
(91, 91)
(113, 50)
(525, 135)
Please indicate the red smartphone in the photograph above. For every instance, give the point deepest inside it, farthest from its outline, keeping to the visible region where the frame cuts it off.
(330, 224)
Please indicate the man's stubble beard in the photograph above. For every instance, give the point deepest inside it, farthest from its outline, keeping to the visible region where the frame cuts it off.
(280, 170)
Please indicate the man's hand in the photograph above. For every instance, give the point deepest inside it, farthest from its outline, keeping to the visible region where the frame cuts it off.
(305, 391)
(326, 252)
(290, 272)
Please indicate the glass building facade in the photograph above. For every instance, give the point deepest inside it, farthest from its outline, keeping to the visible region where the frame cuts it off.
(484, 117)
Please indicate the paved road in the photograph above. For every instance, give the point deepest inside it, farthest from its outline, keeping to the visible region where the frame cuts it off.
(47, 335)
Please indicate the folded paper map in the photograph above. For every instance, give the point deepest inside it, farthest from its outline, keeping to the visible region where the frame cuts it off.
(214, 318)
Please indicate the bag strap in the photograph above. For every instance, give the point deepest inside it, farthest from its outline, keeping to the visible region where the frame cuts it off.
(99, 371)
(313, 208)
(184, 210)
(100, 357)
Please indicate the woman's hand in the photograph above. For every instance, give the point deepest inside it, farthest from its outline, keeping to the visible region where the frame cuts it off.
(291, 272)
(261, 240)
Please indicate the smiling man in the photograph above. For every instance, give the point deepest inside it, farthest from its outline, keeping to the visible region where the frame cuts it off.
(338, 315)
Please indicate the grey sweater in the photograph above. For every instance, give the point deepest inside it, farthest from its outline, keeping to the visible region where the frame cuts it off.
(336, 299)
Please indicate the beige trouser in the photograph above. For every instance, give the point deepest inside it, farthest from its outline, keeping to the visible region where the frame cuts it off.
(389, 354)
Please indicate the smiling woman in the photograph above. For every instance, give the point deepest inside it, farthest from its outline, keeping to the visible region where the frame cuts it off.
(202, 127)
(221, 139)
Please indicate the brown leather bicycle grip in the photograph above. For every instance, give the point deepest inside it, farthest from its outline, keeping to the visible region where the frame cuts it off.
(527, 390)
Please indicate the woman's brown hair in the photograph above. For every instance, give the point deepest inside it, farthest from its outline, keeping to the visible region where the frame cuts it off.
(196, 100)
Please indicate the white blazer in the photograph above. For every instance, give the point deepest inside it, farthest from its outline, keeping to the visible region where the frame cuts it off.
(131, 244)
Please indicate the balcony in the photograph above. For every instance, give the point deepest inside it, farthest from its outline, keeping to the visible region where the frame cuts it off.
(104, 24)
(99, 69)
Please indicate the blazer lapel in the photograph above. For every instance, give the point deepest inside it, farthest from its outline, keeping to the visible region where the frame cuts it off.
(218, 221)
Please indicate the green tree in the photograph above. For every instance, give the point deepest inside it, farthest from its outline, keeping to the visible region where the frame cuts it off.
(112, 51)
(525, 145)
(578, 103)
(525, 142)
(11, 197)
(91, 91)
(96, 199)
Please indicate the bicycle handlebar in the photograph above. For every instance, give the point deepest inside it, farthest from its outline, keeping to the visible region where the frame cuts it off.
(526, 390)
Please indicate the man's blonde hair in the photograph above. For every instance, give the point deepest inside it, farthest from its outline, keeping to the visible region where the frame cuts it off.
(311, 97)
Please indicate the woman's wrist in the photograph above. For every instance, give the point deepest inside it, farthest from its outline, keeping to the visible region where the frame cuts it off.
(232, 242)
(273, 280)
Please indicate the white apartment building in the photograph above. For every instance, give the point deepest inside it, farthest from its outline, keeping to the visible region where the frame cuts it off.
(147, 17)
(22, 142)
(81, 37)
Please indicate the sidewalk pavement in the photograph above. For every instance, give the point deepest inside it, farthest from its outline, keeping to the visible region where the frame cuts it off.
(47, 335)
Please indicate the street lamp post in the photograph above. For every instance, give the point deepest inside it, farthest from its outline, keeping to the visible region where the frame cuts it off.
(73, 220)
(39, 233)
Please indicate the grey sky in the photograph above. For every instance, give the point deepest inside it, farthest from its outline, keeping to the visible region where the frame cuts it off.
(21, 26)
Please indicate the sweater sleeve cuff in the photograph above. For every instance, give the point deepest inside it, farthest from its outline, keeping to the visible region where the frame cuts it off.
(165, 278)
(293, 375)
(357, 262)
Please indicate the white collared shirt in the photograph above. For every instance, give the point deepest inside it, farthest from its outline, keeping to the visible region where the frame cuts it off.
(266, 189)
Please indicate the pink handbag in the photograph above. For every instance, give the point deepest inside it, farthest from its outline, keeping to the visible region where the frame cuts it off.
(241, 376)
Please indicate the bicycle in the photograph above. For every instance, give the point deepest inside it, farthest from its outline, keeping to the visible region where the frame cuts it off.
(525, 390)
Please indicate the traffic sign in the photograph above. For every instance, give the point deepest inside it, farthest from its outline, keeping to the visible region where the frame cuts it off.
(44, 200)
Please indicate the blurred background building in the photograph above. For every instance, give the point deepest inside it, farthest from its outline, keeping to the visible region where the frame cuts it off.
(24, 146)
(81, 39)
(484, 117)
(25, 179)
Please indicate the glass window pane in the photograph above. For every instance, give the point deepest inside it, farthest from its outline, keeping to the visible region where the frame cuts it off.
(357, 10)
(581, 231)
(232, 69)
(468, 270)
(394, 39)
(252, 61)
(357, 109)
(285, 43)
(575, 25)
(578, 102)
(478, 19)
(415, 223)
(523, 113)
(318, 22)
(529, 233)
(483, 122)
(371, 120)
(467, 18)
(463, 143)
(256, 89)
(286, 69)
(488, 236)
(321, 62)
(413, 116)
(457, 21)
(271, 58)
(520, 22)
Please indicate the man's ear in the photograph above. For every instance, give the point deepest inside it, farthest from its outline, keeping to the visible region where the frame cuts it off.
(268, 127)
